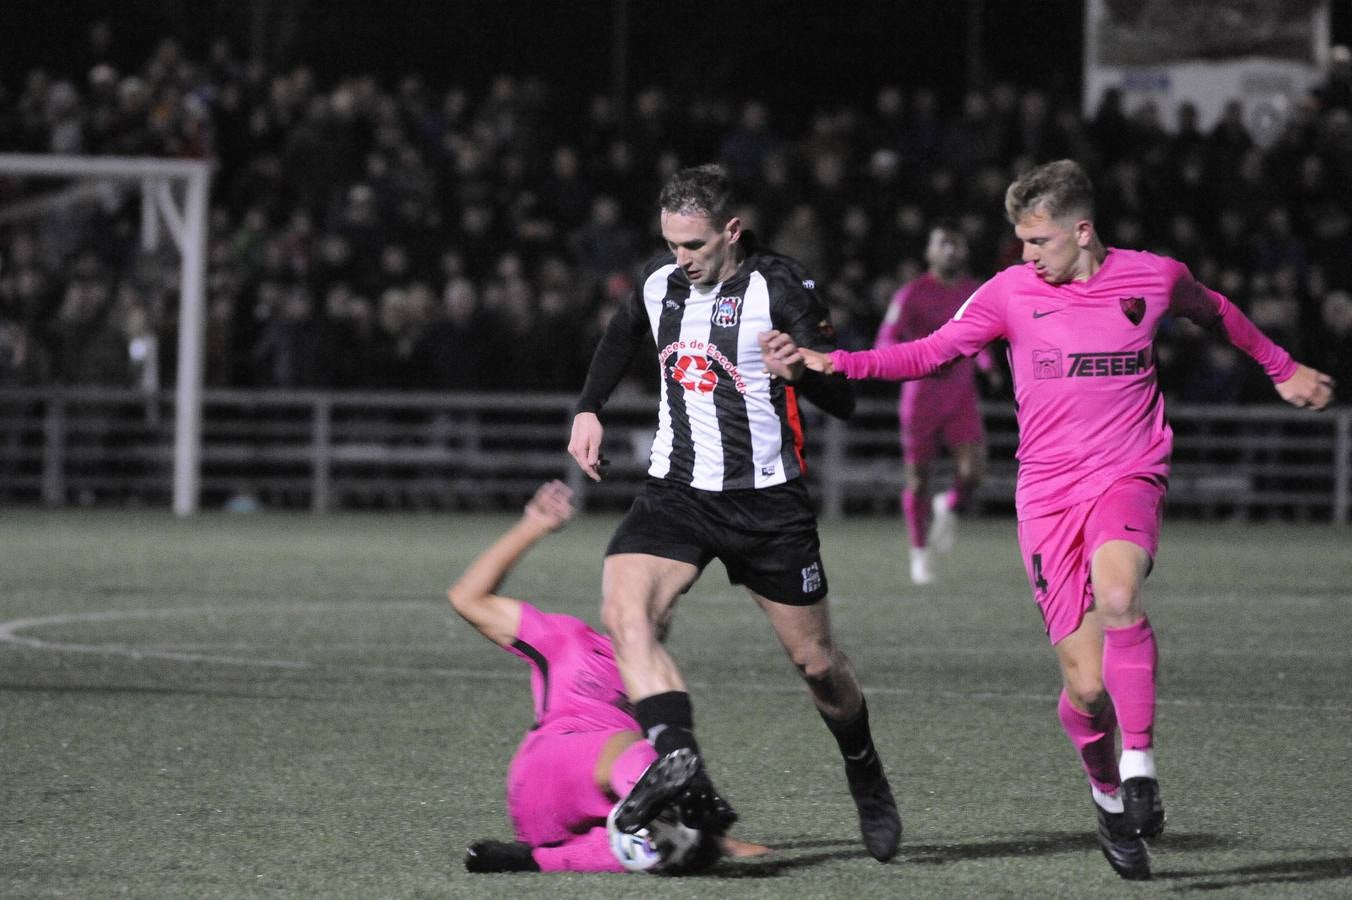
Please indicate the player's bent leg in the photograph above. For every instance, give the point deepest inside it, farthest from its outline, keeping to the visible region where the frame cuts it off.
(1088, 717)
(638, 591)
(1130, 661)
(1093, 734)
(805, 632)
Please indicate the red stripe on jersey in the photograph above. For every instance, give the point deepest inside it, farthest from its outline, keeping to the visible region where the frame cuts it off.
(795, 425)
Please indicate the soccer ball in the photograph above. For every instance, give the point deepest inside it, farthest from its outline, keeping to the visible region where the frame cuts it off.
(665, 843)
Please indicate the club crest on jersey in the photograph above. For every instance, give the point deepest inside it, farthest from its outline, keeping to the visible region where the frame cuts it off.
(693, 374)
(1133, 308)
(727, 310)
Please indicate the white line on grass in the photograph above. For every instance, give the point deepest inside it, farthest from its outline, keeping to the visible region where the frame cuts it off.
(9, 634)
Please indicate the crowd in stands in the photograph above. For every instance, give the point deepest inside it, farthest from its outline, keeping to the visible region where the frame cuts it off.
(399, 235)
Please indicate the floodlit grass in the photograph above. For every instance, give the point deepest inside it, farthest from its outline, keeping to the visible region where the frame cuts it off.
(285, 706)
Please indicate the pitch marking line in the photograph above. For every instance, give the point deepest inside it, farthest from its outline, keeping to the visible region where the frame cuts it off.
(10, 634)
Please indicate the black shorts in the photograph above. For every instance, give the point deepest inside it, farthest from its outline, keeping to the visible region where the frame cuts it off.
(766, 537)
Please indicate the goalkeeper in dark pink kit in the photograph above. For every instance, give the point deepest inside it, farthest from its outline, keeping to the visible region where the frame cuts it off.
(1094, 450)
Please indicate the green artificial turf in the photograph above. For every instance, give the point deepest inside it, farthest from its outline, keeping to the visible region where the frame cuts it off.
(285, 706)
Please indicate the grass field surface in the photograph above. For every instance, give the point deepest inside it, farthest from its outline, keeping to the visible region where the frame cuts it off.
(285, 706)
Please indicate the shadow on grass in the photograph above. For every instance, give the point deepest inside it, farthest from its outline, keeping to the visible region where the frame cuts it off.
(1294, 871)
(1037, 844)
(777, 863)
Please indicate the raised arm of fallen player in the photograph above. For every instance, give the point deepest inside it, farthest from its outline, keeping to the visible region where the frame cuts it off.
(473, 595)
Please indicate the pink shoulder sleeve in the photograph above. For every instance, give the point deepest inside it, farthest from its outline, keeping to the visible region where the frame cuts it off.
(535, 629)
(976, 323)
(1193, 300)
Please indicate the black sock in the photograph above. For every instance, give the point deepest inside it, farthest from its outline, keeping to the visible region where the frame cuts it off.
(668, 721)
(856, 742)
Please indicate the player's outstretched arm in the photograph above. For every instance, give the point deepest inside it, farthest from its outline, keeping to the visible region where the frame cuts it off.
(473, 594)
(1307, 388)
(584, 445)
(785, 359)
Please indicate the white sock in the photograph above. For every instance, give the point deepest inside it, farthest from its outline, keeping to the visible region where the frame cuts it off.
(1109, 802)
(1136, 764)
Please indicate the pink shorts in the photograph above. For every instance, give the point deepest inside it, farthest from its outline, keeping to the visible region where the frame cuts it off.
(1057, 548)
(551, 786)
(955, 419)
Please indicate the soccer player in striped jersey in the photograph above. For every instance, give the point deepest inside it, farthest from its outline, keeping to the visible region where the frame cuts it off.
(1094, 448)
(584, 751)
(943, 407)
(724, 482)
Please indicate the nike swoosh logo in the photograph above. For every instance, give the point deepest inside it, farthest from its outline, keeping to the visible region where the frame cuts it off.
(1037, 313)
(1129, 528)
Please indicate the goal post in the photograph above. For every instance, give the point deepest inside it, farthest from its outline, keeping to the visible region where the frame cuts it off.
(187, 226)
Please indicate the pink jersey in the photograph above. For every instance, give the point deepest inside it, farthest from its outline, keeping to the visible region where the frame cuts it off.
(917, 310)
(574, 680)
(1089, 405)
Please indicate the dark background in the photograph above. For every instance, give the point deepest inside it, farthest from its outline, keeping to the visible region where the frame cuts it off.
(776, 50)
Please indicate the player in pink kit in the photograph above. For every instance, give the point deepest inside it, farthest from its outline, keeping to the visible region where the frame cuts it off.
(1094, 449)
(943, 407)
(585, 750)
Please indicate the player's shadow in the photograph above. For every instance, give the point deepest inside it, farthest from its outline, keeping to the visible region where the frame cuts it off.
(777, 863)
(1036, 844)
(1291, 871)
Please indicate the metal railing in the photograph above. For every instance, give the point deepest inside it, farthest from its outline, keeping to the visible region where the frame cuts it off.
(326, 451)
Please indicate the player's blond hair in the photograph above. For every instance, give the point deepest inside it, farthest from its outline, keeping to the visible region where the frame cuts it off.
(1062, 188)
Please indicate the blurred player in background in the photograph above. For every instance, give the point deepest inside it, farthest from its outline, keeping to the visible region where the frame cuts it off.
(1094, 449)
(724, 482)
(942, 408)
(585, 751)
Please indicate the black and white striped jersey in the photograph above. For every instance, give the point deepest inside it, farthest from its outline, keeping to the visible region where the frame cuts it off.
(722, 423)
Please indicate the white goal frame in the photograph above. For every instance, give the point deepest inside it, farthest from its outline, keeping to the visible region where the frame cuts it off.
(188, 228)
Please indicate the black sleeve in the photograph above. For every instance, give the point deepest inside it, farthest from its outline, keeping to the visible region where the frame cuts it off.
(616, 349)
(797, 310)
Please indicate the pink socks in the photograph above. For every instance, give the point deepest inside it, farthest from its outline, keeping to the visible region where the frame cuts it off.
(1093, 737)
(1129, 657)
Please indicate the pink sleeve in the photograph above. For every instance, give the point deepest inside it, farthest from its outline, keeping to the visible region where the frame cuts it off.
(536, 630)
(1194, 300)
(976, 323)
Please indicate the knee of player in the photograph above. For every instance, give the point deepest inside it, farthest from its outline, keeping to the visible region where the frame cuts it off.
(1087, 694)
(815, 661)
(1116, 598)
(628, 624)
